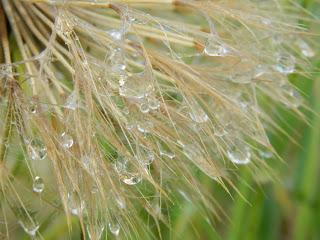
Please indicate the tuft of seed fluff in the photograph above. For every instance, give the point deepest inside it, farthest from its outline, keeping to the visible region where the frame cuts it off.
(114, 102)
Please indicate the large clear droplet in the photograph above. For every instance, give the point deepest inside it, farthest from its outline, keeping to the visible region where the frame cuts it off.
(127, 171)
(239, 153)
(30, 227)
(197, 114)
(285, 63)
(38, 185)
(306, 50)
(115, 34)
(293, 97)
(95, 232)
(75, 204)
(114, 228)
(37, 150)
(66, 140)
(144, 107)
(153, 103)
(146, 156)
(215, 48)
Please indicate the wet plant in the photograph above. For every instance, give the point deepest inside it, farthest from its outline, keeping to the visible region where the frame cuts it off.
(114, 107)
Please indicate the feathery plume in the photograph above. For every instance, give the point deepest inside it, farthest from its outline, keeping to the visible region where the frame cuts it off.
(115, 106)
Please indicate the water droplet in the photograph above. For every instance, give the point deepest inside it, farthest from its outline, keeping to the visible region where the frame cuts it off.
(127, 171)
(75, 204)
(239, 153)
(285, 63)
(38, 185)
(94, 189)
(145, 126)
(66, 140)
(197, 114)
(37, 150)
(165, 151)
(33, 108)
(306, 50)
(120, 202)
(72, 101)
(220, 130)
(293, 97)
(85, 160)
(266, 21)
(260, 70)
(115, 34)
(146, 156)
(144, 107)
(215, 48)
(95, 231)
(114, 228)
(265, 154)
(30, 227)
(136, 86)
(154, 103)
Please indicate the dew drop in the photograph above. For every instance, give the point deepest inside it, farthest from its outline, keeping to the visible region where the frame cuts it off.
(38, 185)
(114, 228)
(66, 140)
(294, 98)
(75, 204)
(130, 179)
(306, 50)
(265, 154)
(239, 153)
(198, 115)
(33, 108)
(95, 232)
(146, 156)
(220, 131)
(144, 126)
(215, 48)
(165, 151)
(285, 63)
(136, 86)
(30, 227)
(120, 202)
(154, 103)
(127, 171)
(72, 101)
(144, 107)
(37, 150)
(115, 34)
